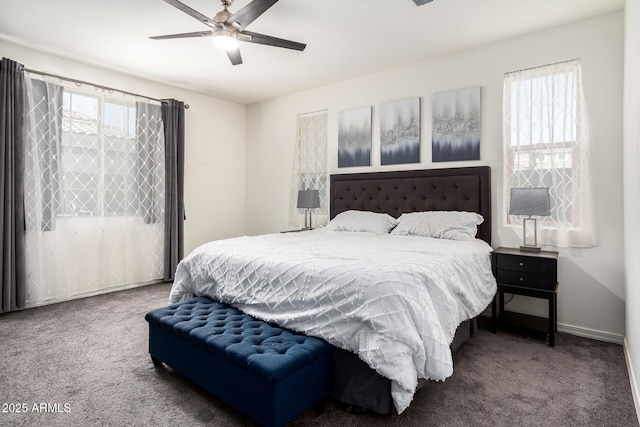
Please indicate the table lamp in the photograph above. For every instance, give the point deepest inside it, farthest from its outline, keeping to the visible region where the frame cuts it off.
(307, 200)
(530, 202)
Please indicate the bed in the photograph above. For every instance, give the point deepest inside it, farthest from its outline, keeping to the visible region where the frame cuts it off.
(389, 304)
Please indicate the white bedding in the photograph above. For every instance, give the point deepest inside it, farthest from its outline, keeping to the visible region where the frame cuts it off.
(396, 301)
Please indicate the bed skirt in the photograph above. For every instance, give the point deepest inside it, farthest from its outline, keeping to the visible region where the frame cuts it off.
(355, 383)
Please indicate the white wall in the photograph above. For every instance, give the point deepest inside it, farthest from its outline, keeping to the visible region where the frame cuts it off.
(591, 292)
(632, 190)
(214, 143)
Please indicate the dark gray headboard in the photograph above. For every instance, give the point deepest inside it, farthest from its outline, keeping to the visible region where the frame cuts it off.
(397, 192)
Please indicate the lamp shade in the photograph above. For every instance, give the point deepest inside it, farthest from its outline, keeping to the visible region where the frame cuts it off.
(530, 201)
(225, 40)
(308, 199)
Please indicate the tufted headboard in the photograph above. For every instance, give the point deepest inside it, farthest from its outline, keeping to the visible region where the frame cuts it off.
(397, 192)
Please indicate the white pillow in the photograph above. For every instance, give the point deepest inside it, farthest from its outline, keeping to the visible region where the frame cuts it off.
(379, 223)
(451, 225)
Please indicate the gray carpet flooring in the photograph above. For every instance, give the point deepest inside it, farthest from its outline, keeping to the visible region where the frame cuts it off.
(85, 362)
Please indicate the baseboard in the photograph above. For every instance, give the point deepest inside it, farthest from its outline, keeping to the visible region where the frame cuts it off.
(579, 331)
(632, 379)
(590, 333)
(94, 293)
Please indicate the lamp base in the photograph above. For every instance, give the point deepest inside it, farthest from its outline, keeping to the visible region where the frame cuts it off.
(307, 222)
(529, 235)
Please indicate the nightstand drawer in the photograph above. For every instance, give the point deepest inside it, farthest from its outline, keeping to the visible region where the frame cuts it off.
(526, 279)
(521, 263)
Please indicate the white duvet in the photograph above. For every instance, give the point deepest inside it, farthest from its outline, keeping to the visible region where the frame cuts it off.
(396, 301)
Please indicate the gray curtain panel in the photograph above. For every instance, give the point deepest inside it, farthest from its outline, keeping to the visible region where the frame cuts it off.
(43, 140)
(173, 119)
(12, 233)
(148, 127)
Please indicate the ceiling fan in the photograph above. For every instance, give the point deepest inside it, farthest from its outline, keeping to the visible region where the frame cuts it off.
(228, 28)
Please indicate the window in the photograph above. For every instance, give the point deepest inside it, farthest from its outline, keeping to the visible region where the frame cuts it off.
(98, 151)
(310, 165)
(546, 145)
(93, 190)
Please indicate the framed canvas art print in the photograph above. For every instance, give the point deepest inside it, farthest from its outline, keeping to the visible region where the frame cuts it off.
(354, 137)
(400, 132)
(456, 125)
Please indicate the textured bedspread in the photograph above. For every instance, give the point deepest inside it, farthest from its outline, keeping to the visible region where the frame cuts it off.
(396, 301)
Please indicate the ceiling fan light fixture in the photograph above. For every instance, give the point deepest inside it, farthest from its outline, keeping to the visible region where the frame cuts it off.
(226, 29)
(225, 40)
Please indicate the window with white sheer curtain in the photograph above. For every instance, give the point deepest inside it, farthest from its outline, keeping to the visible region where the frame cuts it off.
(310, 166)
(546, 144)
(94, 191)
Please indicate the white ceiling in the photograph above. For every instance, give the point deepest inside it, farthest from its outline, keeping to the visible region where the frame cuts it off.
(345, 38)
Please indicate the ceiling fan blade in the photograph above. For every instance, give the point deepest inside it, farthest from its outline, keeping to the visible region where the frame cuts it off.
(271, 41)
(183, 35)
(193, 13)
(249, 13)
(234, 56)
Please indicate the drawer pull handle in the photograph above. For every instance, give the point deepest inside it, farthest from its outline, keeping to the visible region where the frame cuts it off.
(522, 264)
(522, 279)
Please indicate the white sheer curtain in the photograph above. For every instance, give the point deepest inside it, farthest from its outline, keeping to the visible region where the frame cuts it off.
(310, 166)
(94, 192)
(546, 144)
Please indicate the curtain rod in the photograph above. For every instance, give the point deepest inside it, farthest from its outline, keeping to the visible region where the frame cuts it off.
(540, 66)
(311, 112)
(81, 82)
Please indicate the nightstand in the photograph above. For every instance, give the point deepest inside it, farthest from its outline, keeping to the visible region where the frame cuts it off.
(532, 274)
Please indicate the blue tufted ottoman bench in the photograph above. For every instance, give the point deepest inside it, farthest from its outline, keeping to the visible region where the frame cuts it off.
(268, 373)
